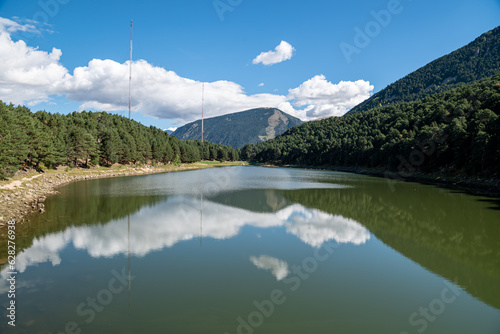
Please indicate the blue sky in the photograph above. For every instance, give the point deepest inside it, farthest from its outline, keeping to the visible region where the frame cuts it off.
(180, 44)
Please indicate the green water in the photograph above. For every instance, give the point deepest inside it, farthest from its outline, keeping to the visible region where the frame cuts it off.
(257, 250)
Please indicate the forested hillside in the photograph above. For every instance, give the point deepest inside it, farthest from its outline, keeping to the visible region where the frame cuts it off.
(477, 60)
(237, 129)
(454, 131)
(41, 139)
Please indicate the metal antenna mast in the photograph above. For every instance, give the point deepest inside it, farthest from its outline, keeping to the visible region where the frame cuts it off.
(202, 107)
(129, 107)
(130, 71)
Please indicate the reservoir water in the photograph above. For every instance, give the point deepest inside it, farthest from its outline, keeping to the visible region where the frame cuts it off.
(257, 250)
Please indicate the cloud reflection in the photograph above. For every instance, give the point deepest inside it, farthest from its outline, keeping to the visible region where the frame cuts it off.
(178, 219)
(278, 268)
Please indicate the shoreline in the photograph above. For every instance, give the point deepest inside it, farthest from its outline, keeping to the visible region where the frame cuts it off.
(26, 193)
(472, 185)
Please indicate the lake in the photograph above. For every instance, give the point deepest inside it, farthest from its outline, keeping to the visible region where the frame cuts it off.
(257, 250)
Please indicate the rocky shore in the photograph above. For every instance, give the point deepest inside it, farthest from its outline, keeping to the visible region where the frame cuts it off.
(27, 191)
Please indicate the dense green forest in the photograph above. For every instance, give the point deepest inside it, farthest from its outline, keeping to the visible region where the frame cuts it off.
(454, 131)
(477, 60)
(44, 140)
(237, 129)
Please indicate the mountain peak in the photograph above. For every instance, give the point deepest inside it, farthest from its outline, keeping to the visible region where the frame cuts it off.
(240, 128)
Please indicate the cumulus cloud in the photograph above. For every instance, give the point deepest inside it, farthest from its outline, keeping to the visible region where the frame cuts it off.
(284, 51)
(31, 76)
(322, 98)
(27, 75)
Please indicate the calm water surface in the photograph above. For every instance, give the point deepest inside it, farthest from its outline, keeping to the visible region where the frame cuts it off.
(257, 250)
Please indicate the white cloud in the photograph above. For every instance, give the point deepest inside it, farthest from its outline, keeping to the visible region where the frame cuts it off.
(282, 52)
(261, 84)
(278, 268)
(11, 26)
(322, 98)
(172, 129)
(27, 75)
(31, 76)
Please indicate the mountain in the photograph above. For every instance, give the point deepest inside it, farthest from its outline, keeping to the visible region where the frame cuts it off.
(477, 60)
(457, 131)
(237, 129)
